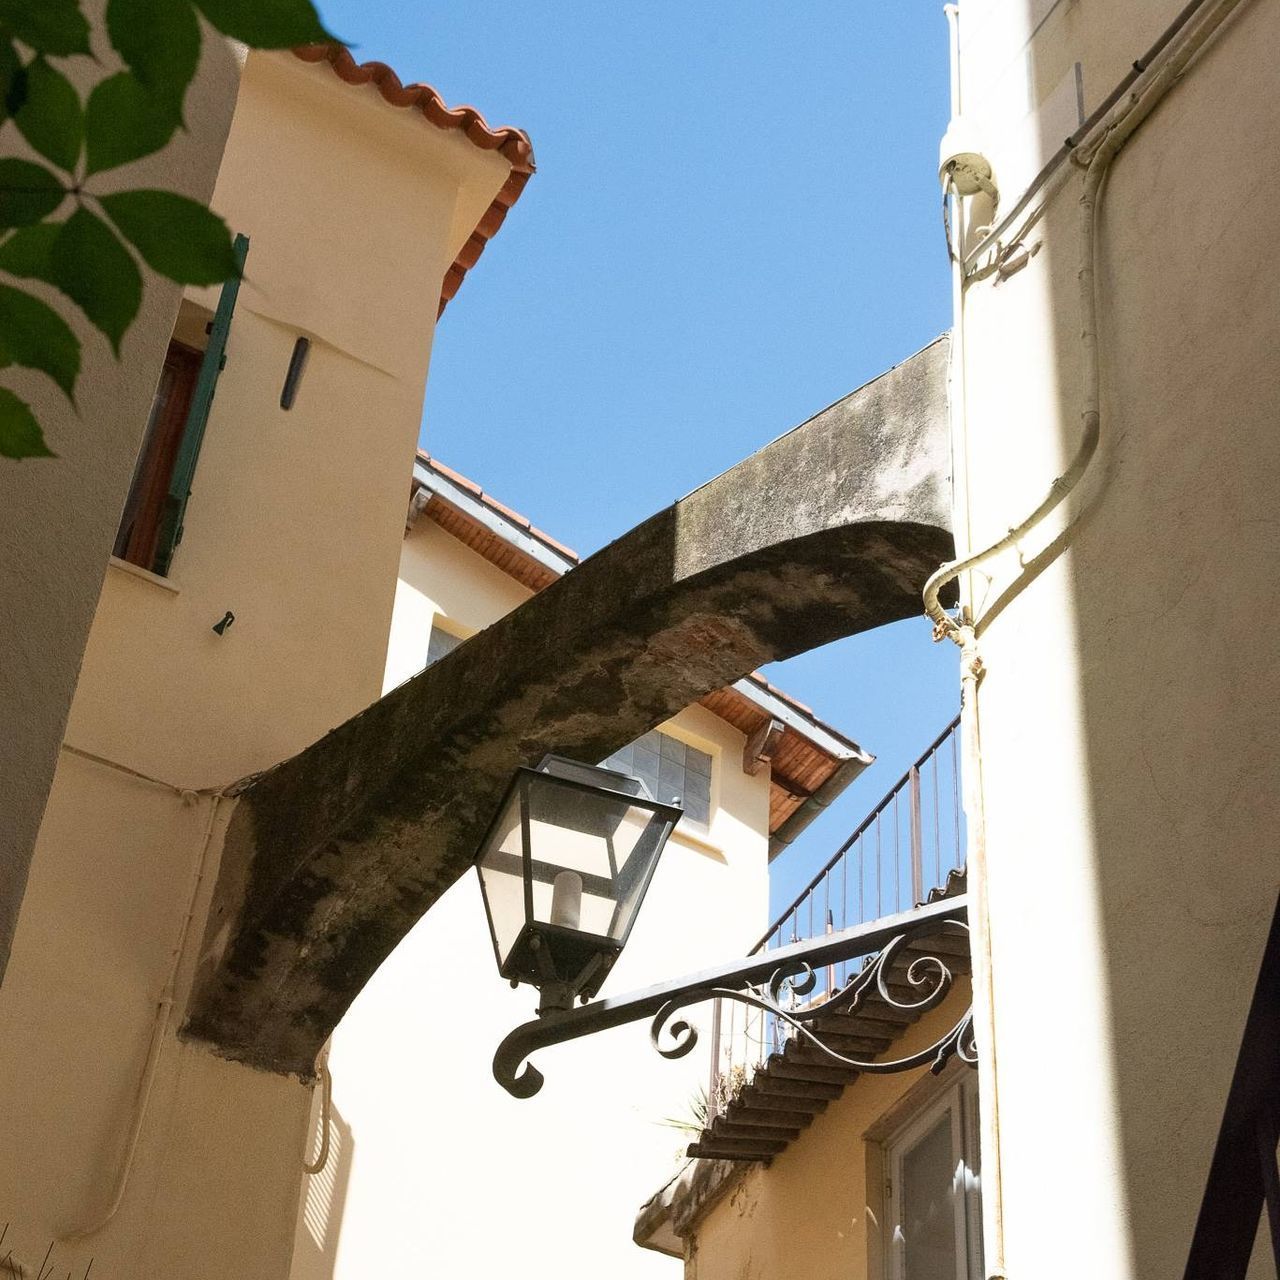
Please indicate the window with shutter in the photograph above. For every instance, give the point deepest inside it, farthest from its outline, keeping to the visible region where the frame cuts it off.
(152, 524)
(140, 524)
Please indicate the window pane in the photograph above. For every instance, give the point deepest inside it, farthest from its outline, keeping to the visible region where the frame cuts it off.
(697, 762)
(673, 772)
(441, 642)
(928, 1221)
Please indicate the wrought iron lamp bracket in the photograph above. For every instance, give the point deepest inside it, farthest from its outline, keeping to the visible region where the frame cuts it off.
(768, 981)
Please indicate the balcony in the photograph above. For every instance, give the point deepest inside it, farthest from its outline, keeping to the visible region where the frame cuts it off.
(766, 1085)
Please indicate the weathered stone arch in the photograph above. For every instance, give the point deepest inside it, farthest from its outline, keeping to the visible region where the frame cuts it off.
(331, 857)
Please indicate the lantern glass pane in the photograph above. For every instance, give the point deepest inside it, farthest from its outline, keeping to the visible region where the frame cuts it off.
(605, 843)
(501, 868)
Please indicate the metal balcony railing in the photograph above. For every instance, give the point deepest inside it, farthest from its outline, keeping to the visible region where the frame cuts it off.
(903, 848)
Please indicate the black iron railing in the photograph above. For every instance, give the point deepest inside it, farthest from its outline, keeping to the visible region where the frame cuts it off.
(903, 848)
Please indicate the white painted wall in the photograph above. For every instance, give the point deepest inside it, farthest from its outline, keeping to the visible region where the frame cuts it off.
(439, 1171)
(1128, 712)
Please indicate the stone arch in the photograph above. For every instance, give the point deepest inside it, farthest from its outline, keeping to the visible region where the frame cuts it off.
(331, 857)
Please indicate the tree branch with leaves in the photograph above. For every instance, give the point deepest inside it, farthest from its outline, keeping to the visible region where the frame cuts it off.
(94, 253)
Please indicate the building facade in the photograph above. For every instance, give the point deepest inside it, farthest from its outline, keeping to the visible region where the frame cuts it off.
(418, 1133)
(1123, 741)
(214, 657)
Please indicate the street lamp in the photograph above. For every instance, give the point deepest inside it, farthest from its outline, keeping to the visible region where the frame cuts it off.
(563, 870)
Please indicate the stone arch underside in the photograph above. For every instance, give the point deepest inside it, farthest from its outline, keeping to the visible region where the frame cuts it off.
(330, 858)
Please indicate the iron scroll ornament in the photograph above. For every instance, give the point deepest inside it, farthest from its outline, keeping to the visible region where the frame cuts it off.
(765, 981)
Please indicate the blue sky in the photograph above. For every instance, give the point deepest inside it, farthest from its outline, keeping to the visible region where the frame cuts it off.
(735, 221)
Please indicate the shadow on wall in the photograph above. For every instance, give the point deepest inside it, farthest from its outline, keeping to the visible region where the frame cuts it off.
(315, 1245)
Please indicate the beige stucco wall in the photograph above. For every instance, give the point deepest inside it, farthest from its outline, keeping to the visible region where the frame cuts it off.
(354, 211)
(58, 516)
(295, 517)
(1128, 712)
(437, 1170)
(817, 1211)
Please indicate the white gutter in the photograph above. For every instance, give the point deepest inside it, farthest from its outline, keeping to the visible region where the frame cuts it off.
(494, 521)
(819, 735)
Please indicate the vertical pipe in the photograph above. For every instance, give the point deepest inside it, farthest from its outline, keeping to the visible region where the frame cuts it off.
(937, 820)
(955, 799)
(917, 837)
(713, 1083)
(879, 870)
(970, 672)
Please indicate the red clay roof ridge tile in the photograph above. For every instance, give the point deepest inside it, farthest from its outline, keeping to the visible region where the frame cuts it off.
(511, 143)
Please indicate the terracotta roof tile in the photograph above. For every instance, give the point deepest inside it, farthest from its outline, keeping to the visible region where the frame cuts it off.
(513, 144)
(568, 552)
(456, 476)
(514, 516)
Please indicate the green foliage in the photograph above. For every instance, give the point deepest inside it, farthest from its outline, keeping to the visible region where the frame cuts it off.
(159, 41)
(123, 122)
(28, 192)
(128, 115)
(20, 434)
(49, 26)
(90, 265)
(266, 24)
(177, 237)
(35, 336)
(50, 117)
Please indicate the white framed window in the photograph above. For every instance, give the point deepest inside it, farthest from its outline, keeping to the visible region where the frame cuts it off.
(440, 643)
(933, 1192)
(674, 772)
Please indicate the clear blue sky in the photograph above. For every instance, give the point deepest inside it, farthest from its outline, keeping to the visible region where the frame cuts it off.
(735, 221)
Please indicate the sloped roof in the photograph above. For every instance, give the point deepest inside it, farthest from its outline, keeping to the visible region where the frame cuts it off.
(811, 762)
(512, 143)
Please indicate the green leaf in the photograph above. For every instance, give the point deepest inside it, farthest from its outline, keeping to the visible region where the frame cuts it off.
(262, 25)
(159, 41)
(26, 252)
(20, 434)
(28, 192)
(90, 265)
(123, 122)
(51, 118)
(13, 80)
(47, 26)
(35, 336)
(177, 237)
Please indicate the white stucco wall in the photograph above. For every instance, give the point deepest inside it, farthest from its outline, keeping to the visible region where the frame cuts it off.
(1128, 723)
(438, 1170)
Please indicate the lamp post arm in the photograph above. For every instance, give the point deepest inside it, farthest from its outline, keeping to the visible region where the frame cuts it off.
(760, 980)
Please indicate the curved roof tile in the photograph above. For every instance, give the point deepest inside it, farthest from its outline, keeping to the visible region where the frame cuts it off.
(513, 144)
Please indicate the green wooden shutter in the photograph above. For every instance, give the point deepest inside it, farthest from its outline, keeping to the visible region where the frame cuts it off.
(184, 469)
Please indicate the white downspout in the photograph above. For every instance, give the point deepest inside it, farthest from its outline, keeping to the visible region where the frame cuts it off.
(970, 674)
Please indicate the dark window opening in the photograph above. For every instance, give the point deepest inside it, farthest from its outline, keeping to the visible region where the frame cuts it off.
(138, 538)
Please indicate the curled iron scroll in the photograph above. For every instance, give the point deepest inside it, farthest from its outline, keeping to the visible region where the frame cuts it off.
(928, 975)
